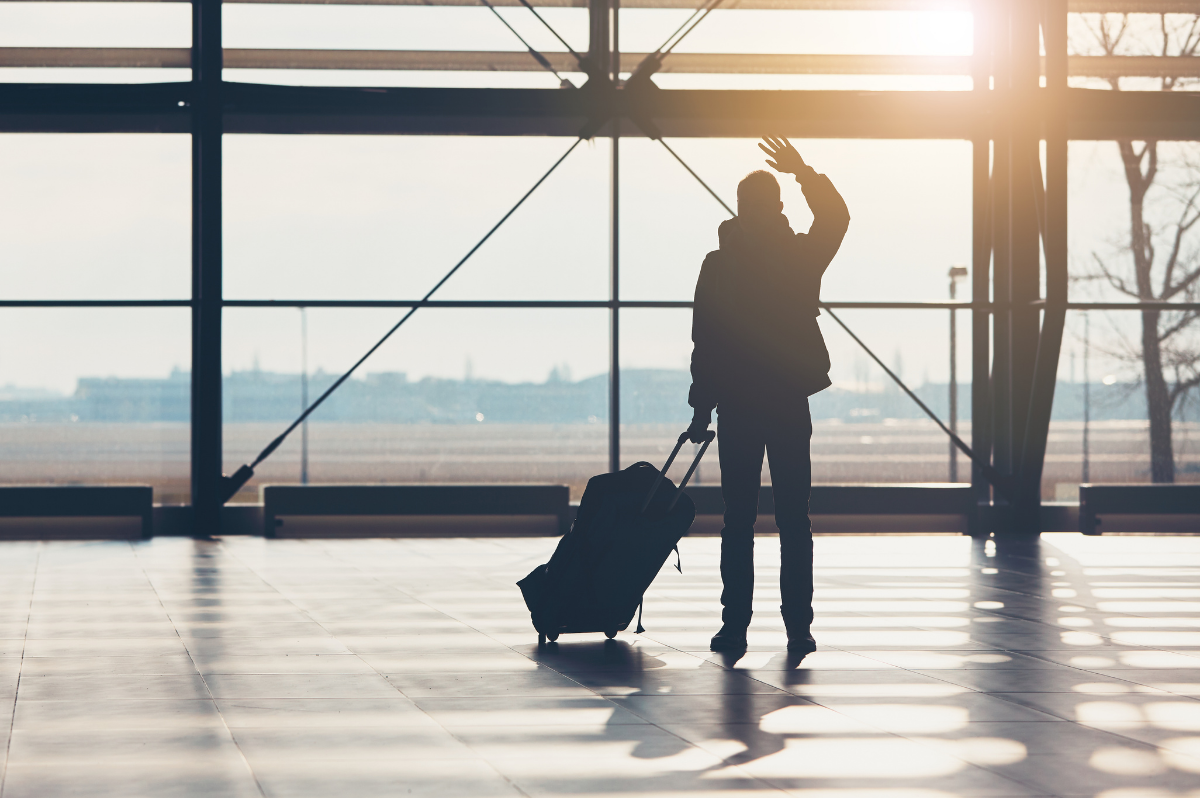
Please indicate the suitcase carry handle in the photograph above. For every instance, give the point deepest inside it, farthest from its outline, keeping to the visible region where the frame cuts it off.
(709, 436)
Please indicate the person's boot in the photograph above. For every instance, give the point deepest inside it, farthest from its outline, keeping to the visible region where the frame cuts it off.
(801, 643)
(730, 638)
(800, 639)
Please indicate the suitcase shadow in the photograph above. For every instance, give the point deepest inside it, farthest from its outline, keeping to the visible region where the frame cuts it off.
(590, 656)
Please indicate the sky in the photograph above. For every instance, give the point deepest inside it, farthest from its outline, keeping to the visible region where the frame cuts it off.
(349, 217)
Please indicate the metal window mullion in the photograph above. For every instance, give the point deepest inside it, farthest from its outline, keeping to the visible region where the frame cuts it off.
(207, 129)
(981, 257)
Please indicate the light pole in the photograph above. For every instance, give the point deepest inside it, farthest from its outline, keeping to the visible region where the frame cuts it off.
(956, 272)
(1085, 477)
(303, 395)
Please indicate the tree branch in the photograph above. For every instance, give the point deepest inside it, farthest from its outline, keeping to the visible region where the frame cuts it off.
(1185, 285)
(1183, 386)
(1113, 280)
(1184, 321)
(1181, 227)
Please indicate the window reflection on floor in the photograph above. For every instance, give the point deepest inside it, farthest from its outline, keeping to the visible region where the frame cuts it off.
(946, 667)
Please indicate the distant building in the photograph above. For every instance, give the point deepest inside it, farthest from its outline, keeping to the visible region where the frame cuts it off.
(648, 396)
(121, 399)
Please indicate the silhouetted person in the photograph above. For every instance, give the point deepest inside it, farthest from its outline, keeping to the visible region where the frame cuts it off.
(758, 356)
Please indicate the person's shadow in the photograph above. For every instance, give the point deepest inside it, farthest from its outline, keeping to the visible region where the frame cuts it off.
(742, 720)
(620, 669)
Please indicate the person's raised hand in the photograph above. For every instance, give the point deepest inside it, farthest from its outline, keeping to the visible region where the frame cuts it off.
(784, 157)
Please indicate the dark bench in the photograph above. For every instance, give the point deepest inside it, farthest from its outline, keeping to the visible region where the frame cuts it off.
(79, 501)
(948, 498)
(1098, 500)
(282, 500)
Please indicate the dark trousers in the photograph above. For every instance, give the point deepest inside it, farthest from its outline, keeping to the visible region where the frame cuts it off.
(744, 434)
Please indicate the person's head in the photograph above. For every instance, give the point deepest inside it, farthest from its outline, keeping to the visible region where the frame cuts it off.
(758, 199)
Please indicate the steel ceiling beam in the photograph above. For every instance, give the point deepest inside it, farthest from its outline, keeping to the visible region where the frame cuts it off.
(257, 108)
(519, 61)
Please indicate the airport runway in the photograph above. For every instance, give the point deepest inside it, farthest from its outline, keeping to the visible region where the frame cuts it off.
(892, 451)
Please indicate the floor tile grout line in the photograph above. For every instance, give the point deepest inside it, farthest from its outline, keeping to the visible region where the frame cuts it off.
(318, 623)
(440, 725)
(203, 680)
(12, 721)
(615, 707)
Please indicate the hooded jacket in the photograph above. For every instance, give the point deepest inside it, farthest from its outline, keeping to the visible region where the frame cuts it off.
(756, 340)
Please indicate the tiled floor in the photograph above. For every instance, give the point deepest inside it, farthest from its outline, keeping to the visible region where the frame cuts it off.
(408, 667)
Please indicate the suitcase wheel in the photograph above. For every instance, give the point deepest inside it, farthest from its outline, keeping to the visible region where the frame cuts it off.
(553, 638)
(610, 634)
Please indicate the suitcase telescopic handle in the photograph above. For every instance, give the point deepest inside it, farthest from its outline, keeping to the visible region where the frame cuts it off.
(709, 436)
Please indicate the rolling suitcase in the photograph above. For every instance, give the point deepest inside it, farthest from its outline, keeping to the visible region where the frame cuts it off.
(628, 523)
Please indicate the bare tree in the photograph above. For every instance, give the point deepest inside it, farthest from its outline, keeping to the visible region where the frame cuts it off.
(1168, 355)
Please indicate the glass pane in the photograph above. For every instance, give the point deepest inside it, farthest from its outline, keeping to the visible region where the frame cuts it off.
(1100, 430)
(381, 27)
(88, 75)
(352, 217)
(864, 428)
(95, 396)
(739, 30)
(1103, 266)
(909, 201)
(87, 24)
(656, 349)
(404, 28)
(95, 216)
(456, 396)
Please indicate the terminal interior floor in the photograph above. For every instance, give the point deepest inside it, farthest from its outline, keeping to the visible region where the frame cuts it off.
(243, 666)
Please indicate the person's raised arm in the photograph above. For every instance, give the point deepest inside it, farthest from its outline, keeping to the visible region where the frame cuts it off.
(830, 215)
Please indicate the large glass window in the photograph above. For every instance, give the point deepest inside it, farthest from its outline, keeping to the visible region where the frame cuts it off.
(510, 387)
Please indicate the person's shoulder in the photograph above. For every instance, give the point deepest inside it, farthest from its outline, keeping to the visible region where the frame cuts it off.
(714, 265)
(714, 260)
(729, 234)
